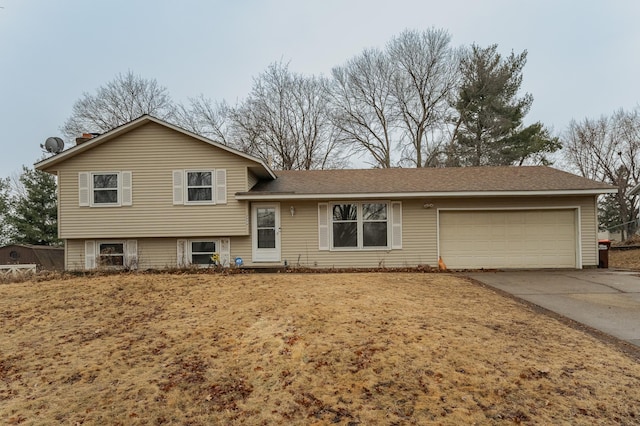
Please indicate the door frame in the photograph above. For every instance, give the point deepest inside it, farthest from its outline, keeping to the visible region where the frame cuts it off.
(259, 254)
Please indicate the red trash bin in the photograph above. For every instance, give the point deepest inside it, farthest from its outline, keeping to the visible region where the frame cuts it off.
(603, 253)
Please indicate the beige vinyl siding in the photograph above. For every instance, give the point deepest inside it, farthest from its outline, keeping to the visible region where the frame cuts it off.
(587, 220)
(155, 253)
(419, 232)
(74, 255)
(299, 235)
(589, 243)
(300, 240)
(151, 152)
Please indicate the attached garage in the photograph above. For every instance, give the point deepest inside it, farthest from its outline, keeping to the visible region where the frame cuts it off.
(475, 239)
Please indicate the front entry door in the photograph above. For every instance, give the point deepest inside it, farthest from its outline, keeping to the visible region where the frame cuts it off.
(265, 228)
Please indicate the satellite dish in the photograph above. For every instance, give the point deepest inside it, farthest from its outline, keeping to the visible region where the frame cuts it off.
(54, 145)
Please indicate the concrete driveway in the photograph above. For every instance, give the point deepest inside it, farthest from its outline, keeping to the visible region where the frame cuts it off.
(607, 300)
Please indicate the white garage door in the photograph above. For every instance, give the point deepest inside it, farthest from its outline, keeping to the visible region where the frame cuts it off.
(508, 239)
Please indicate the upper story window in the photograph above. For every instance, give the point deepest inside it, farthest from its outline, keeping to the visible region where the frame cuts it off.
(193, 187)
(105, 189)
(199, 186)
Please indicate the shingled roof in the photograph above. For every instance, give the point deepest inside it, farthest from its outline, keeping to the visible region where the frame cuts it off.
(453, 181)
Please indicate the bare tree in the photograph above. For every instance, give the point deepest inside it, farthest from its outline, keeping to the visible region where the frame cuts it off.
(205, 117)
(608, 150)
(364, 112)
(397, 99)
(285, 121)
(123, 99)
(425, 79)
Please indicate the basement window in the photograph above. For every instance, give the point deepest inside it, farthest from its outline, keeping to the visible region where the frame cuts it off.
(201, 252)
(111, 254)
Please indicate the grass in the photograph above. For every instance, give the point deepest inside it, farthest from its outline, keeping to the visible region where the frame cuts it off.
(374, 348)
(626, 259)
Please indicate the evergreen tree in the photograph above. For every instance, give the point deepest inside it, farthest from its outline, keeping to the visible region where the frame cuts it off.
(4, 211)
(610, 219)
(489, 130)
(34, 212)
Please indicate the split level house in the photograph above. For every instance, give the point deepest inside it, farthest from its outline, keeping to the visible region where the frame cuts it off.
(151, 195)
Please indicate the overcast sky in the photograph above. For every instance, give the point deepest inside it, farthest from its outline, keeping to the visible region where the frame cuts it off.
(583, 56)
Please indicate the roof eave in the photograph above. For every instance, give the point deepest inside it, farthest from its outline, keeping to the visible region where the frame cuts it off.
(271, 196)
(80, 148)
(73, 151)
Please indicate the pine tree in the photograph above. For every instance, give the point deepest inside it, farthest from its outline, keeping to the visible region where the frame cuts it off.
(611, 219)
(489, 129)
(34, 212)
(4, 211)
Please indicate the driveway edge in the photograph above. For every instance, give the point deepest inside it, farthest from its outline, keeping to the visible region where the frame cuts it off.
(627, 348)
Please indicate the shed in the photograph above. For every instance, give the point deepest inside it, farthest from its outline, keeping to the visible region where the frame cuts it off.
(44, 257)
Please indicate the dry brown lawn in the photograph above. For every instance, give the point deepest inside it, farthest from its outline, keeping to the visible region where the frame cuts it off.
(350, 349)
(627, 259)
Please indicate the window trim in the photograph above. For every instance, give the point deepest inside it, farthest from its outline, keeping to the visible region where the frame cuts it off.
(92, 254)
(124, 188)
(218, 186)
(386, 221)
(224, 250)
(190, 252)
(118, 189)
(359, 226)
(212, 187)
(99, 254)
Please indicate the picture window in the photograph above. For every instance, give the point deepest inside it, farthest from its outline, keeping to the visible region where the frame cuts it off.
(360, 225)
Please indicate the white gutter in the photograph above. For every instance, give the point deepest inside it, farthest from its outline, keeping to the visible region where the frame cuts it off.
(452, 194)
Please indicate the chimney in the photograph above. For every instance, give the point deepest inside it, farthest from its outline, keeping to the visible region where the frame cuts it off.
(85, 137)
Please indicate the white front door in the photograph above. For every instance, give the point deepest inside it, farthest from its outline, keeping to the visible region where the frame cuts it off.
(265, 228)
